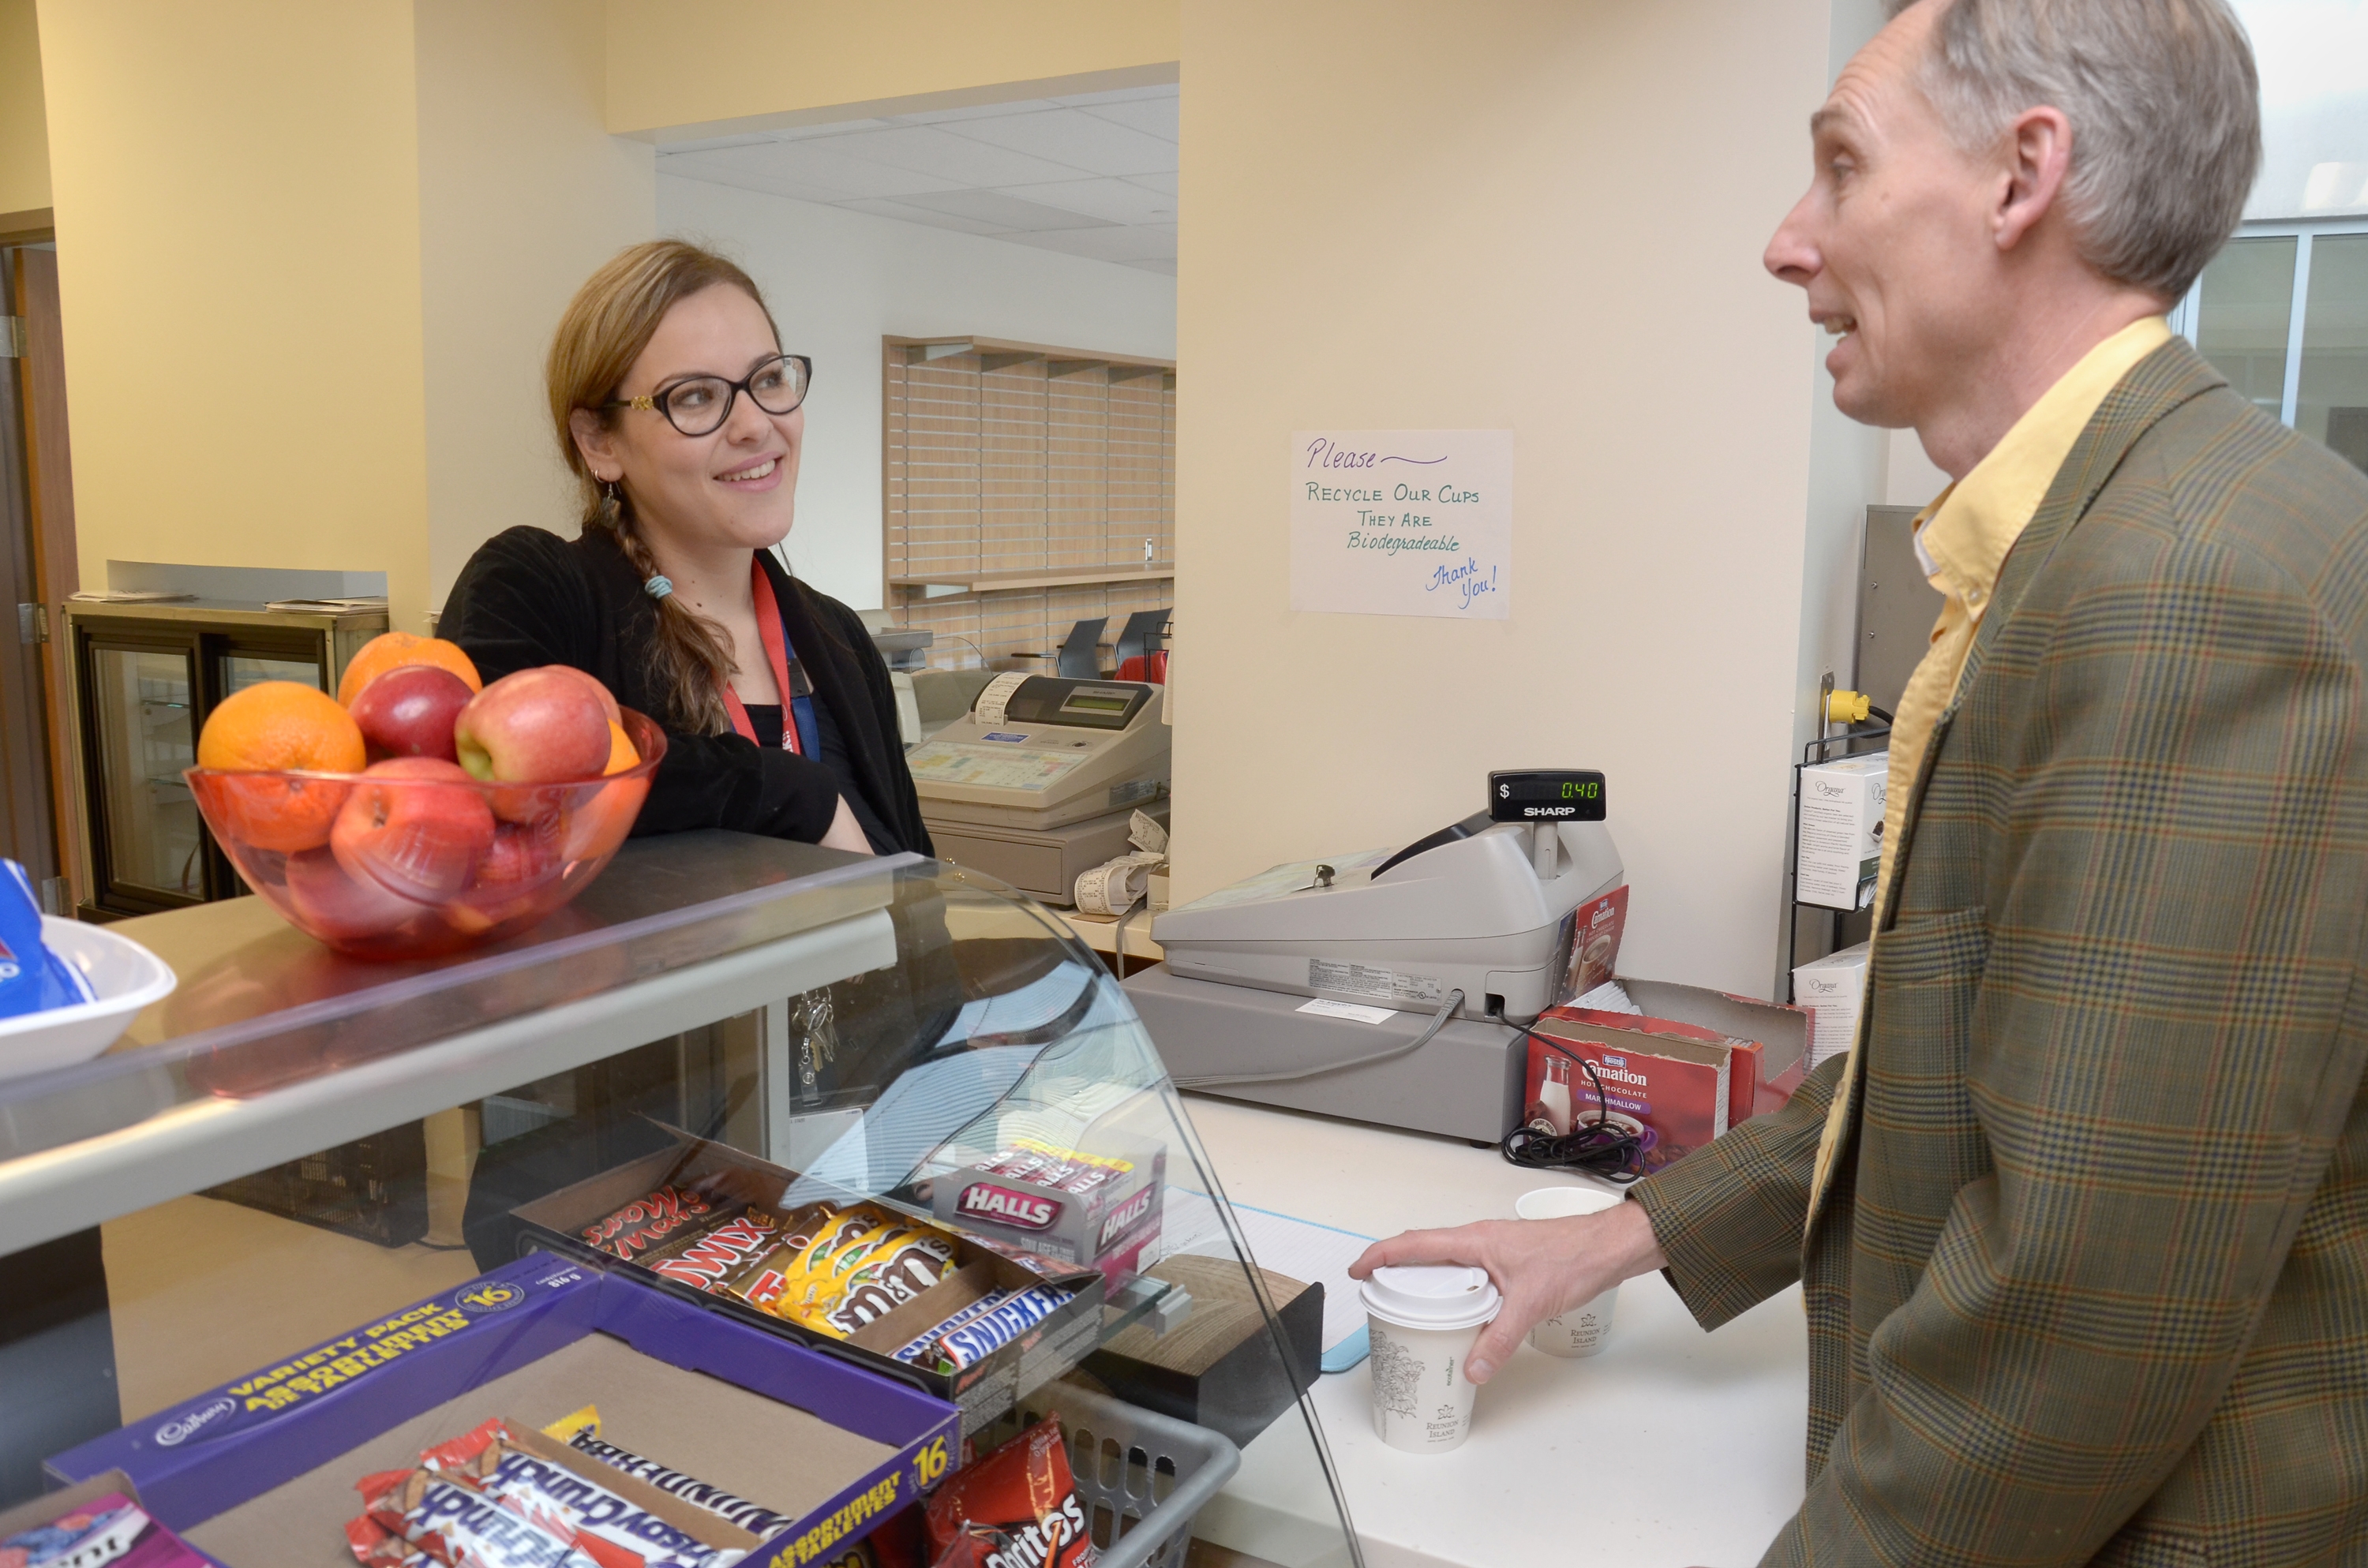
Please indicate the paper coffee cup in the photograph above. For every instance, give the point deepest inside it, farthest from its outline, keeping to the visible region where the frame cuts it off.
(1582, 1330)
(1422, 1322)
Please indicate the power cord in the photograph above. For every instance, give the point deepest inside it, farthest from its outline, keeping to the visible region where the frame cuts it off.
(1438, 1022)
(1601, 1147)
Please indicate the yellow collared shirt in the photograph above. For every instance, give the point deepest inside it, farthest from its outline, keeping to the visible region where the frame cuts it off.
(1963, 540)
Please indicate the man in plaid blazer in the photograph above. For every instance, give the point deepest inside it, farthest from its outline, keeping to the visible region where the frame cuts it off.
(2082, 1222)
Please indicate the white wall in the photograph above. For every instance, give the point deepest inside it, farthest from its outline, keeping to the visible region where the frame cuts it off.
(1546, 217)
(838, 280)
(522, 194)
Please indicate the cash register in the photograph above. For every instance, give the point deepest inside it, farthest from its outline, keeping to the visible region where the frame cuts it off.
(1387, 986)
(1040, 778)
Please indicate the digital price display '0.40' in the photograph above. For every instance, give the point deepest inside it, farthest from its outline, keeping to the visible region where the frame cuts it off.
(1545, 794)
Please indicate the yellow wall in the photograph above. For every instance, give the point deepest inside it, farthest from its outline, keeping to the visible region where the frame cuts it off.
(728, 59)
(1547, 216)
(24, 128)
(237, 186)
(522, 194)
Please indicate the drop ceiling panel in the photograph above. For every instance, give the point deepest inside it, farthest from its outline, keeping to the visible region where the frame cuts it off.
(1092, 176)
(1076, 138)
(955, 161)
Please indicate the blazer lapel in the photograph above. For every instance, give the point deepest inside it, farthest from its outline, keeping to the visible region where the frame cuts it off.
(2165, 378)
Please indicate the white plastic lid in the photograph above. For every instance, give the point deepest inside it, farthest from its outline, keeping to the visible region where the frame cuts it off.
(1432, 1296)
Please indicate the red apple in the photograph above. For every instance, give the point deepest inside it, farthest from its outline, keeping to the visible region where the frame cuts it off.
(409, 711)
(339, 908)
(416, 826)
(608, 702)
(523, 858)
(538, 726)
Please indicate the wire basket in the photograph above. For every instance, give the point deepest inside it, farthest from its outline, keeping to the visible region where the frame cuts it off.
(1141, 1476)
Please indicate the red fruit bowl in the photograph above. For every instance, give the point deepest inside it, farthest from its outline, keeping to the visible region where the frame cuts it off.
(385, 865)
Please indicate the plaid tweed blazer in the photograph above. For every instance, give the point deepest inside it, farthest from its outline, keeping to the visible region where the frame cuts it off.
(2089, 1280)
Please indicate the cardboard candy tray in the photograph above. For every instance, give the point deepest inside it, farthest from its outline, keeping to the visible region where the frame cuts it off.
(984, 1391)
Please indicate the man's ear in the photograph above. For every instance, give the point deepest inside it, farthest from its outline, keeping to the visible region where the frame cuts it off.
(594, 440)
(2038, 148)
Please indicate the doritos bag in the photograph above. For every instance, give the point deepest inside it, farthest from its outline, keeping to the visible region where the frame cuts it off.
(1016, 1508)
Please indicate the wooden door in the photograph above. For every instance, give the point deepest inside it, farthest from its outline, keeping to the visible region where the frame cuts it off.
(30, 292)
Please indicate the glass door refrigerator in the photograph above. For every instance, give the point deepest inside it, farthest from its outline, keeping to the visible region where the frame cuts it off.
(145, 677)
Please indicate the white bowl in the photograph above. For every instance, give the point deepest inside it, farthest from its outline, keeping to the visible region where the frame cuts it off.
(125, 976)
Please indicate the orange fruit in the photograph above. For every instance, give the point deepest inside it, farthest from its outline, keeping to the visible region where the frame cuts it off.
(278, 724)
(270, 727)
(390, 649)
(622, 755)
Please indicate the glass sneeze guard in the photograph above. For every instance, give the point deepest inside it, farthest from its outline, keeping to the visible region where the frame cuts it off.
(876, 1029)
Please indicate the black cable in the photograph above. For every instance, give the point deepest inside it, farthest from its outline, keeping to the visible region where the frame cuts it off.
(1874, 712)
(1601, 1149)
(1438, 1022)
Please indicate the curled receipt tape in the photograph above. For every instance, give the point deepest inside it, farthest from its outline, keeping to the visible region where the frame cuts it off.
(1112, 888)
(989, 706)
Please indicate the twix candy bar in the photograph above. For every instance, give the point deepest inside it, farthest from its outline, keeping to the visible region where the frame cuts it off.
(709, 1259)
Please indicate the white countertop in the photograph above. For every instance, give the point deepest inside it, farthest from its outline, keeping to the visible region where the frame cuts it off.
(1671, 1446)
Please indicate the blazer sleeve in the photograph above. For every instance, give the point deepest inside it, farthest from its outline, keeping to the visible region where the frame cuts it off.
(1728, 1218)
(2156, 1058)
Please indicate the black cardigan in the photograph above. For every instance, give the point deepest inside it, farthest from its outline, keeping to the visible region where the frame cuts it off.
(528, 597)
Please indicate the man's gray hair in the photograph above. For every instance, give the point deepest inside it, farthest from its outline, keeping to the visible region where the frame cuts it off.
(2165, 111)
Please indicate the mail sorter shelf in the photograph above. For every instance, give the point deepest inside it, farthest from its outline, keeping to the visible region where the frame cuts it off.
(881, 1029)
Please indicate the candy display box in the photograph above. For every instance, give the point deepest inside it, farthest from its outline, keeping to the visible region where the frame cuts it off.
(984, 1390)
(1106, 1226)
(261, 1471)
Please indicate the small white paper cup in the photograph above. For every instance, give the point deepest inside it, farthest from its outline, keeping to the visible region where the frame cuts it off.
(1582, 1330)
(1422, 1323)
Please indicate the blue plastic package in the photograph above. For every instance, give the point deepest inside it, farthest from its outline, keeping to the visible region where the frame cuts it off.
(32, 978)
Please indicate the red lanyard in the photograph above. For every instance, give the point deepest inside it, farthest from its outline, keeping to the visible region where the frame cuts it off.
(777, 653)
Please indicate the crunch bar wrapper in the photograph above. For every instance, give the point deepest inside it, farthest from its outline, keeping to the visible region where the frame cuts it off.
(620, 1533)
(1016, 1505)
(452, 1522)
(648, 1221)
(749, 1516)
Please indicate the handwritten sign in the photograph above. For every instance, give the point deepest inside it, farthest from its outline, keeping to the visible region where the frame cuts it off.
(1403, 522)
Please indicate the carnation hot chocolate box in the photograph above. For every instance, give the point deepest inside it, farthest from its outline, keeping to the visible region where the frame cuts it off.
(1096, 1208)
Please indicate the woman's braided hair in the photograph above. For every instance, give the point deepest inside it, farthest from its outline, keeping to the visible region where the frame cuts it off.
(603, 331)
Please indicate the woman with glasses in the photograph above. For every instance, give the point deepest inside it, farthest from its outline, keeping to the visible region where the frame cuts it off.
(682, 421)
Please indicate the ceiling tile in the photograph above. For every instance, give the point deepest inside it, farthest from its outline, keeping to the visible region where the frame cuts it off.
(905, 212)
(708, 144)
(1114, 200)
(819, 170)
(1006, 211)
(829, 128)
(1120, 95)
(1073, 138)
(956, 160)
(976, 111)
(1165, 184)
(1143, 242)
(1153, 117)
(1165, 265)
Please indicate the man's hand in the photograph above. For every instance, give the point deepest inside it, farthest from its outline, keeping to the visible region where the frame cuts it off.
(1544, 1267)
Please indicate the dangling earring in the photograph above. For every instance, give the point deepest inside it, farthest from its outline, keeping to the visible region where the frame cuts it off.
(612, 507)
